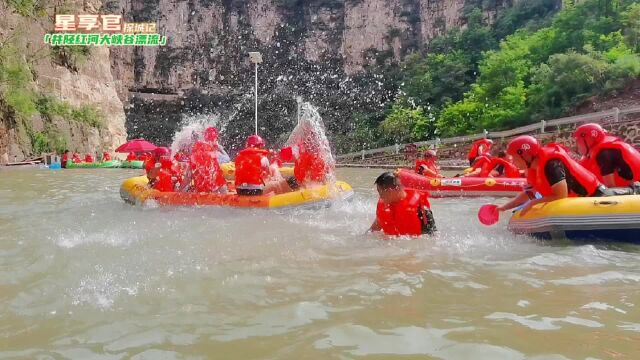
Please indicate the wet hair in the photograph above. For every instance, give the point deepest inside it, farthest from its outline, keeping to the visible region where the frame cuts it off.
(387, 180)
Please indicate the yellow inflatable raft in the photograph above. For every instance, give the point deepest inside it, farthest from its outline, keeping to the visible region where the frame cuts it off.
(615, 218)
(136, 191)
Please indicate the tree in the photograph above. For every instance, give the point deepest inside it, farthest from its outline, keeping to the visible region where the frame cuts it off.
(566, 80)
(399, 124)
(631, 21)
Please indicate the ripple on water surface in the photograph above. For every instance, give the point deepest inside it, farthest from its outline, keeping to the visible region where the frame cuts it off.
(83, 275)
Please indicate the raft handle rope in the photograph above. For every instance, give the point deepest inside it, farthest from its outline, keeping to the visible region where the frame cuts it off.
(605, 202)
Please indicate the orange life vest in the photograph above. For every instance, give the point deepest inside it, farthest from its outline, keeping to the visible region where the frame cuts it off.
(149, 164)
(431, 165)
(536, 177)
(402, 217)
(475, 148)
(510, 170)
(480, 162)
(630, 155)
(164, 182)
(250, 168)
(207, 175)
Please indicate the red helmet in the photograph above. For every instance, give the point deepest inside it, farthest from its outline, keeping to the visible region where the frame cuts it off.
(211, 134)
(430, 153)
(255, 141)
(523, 145)
(590, 131)
(161, 151)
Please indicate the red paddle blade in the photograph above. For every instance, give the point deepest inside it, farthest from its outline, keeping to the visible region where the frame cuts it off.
(488, 214)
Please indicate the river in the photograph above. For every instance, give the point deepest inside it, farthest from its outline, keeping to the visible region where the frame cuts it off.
(85, 276)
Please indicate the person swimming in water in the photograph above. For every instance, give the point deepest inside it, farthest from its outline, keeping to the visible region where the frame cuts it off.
(401, 211)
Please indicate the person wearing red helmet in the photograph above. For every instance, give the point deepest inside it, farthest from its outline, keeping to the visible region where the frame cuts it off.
(211, 136)
(614, 162)
(551, 172)
(165, 180)
(401, 211)
(500, 166)
(205, 170)
(252, 167)
(106, 156)
(88, 158)
(479, 148)
(152, 164)
(427, 166)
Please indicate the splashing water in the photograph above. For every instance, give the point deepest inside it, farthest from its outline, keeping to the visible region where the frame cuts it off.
(311, 134)
(191, 130)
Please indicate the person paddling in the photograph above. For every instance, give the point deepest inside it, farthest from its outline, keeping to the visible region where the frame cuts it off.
(401, 211)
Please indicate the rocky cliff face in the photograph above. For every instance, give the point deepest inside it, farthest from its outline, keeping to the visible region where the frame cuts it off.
(88, 83)
(323, 50)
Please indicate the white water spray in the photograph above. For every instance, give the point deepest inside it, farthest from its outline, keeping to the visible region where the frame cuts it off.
(310, 131)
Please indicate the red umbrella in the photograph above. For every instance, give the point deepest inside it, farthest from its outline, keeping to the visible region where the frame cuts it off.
(137, 145)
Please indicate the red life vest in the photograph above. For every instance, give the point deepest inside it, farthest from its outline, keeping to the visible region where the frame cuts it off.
(106, 156)
(207, 175)
(402, 218)
(537, 178)
(63, 161)
(164, 182)
(480, 162)
(76, 158)
(630, 155)
(310, 167)
(131, 156)
(88, 158)
(475, 148)
(510, 170)
(431, 165)
(250, 168)
(149, 164)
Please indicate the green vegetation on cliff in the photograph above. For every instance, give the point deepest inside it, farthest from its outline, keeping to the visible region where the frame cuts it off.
(18, 91)
(483, 77)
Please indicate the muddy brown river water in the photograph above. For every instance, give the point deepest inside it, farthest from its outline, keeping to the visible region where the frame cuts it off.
(85, 276)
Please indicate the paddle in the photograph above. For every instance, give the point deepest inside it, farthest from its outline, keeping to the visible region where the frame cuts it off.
(488, 214)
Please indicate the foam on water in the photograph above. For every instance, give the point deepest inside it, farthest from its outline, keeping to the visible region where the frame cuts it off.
(201, 282)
